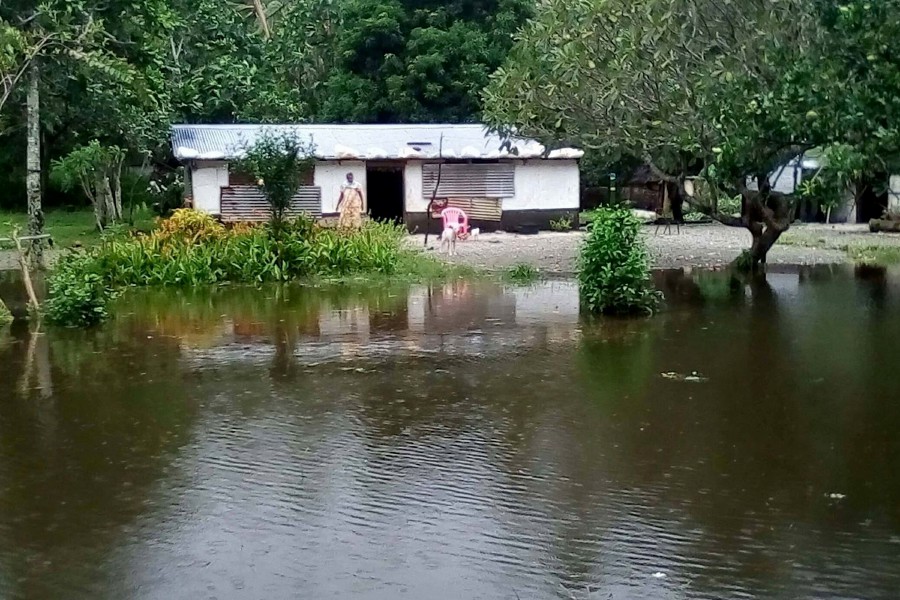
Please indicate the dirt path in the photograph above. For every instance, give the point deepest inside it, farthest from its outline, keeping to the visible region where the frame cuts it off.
(697, 246)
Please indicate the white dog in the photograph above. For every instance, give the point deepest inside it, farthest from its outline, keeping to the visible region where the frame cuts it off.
(474, 233)
(448, 238)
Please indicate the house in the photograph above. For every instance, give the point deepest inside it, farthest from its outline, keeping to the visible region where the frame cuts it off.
(881, 194)
(506, 183)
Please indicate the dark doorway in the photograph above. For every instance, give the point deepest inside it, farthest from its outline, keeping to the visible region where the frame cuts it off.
(385, 193)
(873, 201)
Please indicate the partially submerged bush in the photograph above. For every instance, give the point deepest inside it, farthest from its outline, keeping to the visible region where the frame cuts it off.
(522, 273)
(191, 248)
(614, 272)
(78, 296)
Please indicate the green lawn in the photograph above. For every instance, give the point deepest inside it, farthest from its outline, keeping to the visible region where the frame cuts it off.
(67, 227)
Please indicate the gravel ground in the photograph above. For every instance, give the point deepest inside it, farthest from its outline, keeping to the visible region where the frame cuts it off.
(696, 246)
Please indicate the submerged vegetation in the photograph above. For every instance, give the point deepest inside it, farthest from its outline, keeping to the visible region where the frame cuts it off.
(192, 249)
(522, 273)
(614, 270)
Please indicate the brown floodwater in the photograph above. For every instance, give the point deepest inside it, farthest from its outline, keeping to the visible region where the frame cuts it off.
(460, 441)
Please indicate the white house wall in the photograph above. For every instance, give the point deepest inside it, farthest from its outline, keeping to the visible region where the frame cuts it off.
(207, 180)
(540, 185)
(415, 200)
(894, 194)
(545, 185)
(330, 175)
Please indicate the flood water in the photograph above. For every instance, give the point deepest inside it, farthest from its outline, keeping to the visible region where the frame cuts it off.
(459, 442)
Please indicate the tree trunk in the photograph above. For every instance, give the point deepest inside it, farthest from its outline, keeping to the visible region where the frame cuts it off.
(101, 200)
(113, 212)
(33, 163)
(762, 243)
(767, 215)
(117, 191)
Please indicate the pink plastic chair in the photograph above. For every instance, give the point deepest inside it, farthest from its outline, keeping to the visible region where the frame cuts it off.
(452, 215)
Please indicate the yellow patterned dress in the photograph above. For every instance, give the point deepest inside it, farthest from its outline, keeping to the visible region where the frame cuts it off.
(350, 207)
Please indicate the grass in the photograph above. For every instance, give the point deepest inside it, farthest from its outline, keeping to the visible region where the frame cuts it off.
(875, 255)
(522, 273)
(68, 227)
(858, 249)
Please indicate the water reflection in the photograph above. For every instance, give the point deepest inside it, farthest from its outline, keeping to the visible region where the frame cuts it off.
(459, 441)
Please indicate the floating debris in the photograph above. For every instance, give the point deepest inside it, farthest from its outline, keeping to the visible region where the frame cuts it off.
(659, 575)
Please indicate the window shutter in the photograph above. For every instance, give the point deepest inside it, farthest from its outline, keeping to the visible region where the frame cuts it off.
(476, 180)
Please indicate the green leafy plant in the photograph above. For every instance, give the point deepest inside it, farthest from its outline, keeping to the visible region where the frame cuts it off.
(97, 170)
(522, 273)
(278, 164)
(614, 272)
(78, 295)
(5, 316)
(563, 223)
(840, 167)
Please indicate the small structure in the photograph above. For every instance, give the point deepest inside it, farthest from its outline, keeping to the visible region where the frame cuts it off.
(506, 183)
(877, 198)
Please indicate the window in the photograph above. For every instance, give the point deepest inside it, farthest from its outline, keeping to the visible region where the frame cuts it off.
(470, 180)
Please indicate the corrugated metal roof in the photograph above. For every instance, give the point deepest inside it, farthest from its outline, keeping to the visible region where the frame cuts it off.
(336, 142)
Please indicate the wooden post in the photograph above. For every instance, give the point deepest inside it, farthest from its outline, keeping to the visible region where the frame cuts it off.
(26, 276)
(23, 262)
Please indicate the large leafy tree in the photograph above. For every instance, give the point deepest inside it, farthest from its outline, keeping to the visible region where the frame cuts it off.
(730, 90)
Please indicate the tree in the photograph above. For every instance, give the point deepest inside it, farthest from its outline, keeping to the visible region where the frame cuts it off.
(726, 90)
(97, 170)
(278, 164)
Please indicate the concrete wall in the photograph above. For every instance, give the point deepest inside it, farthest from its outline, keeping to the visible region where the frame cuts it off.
(545, 190)
(330, 175)
(414, 197)
(545, 185)
(207, 180)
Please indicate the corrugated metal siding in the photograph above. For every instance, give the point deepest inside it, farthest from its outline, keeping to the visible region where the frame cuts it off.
(476, 180)
(481, 209)
(243, 203)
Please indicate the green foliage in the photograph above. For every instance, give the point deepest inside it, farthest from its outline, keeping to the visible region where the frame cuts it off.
(78, 295)
(192, 249)
(728, 89)
(522, 273)
(5, 316)
(875, 255)
(840, 167)
(97, 171)
(278, 164)
(614, 273)
(120, 72)
(563, 223)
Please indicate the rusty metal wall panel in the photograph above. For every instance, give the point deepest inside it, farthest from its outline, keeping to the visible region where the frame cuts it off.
(243, 203)
(481, 209)
(475, 180)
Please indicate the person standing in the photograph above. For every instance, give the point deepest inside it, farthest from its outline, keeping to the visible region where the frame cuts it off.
(350, 204)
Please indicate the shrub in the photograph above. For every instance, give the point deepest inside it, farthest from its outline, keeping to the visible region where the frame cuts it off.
(278, 164)
(78, 296)
(563, 223)
(614, 272)
(522, 273)
(5, 316)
